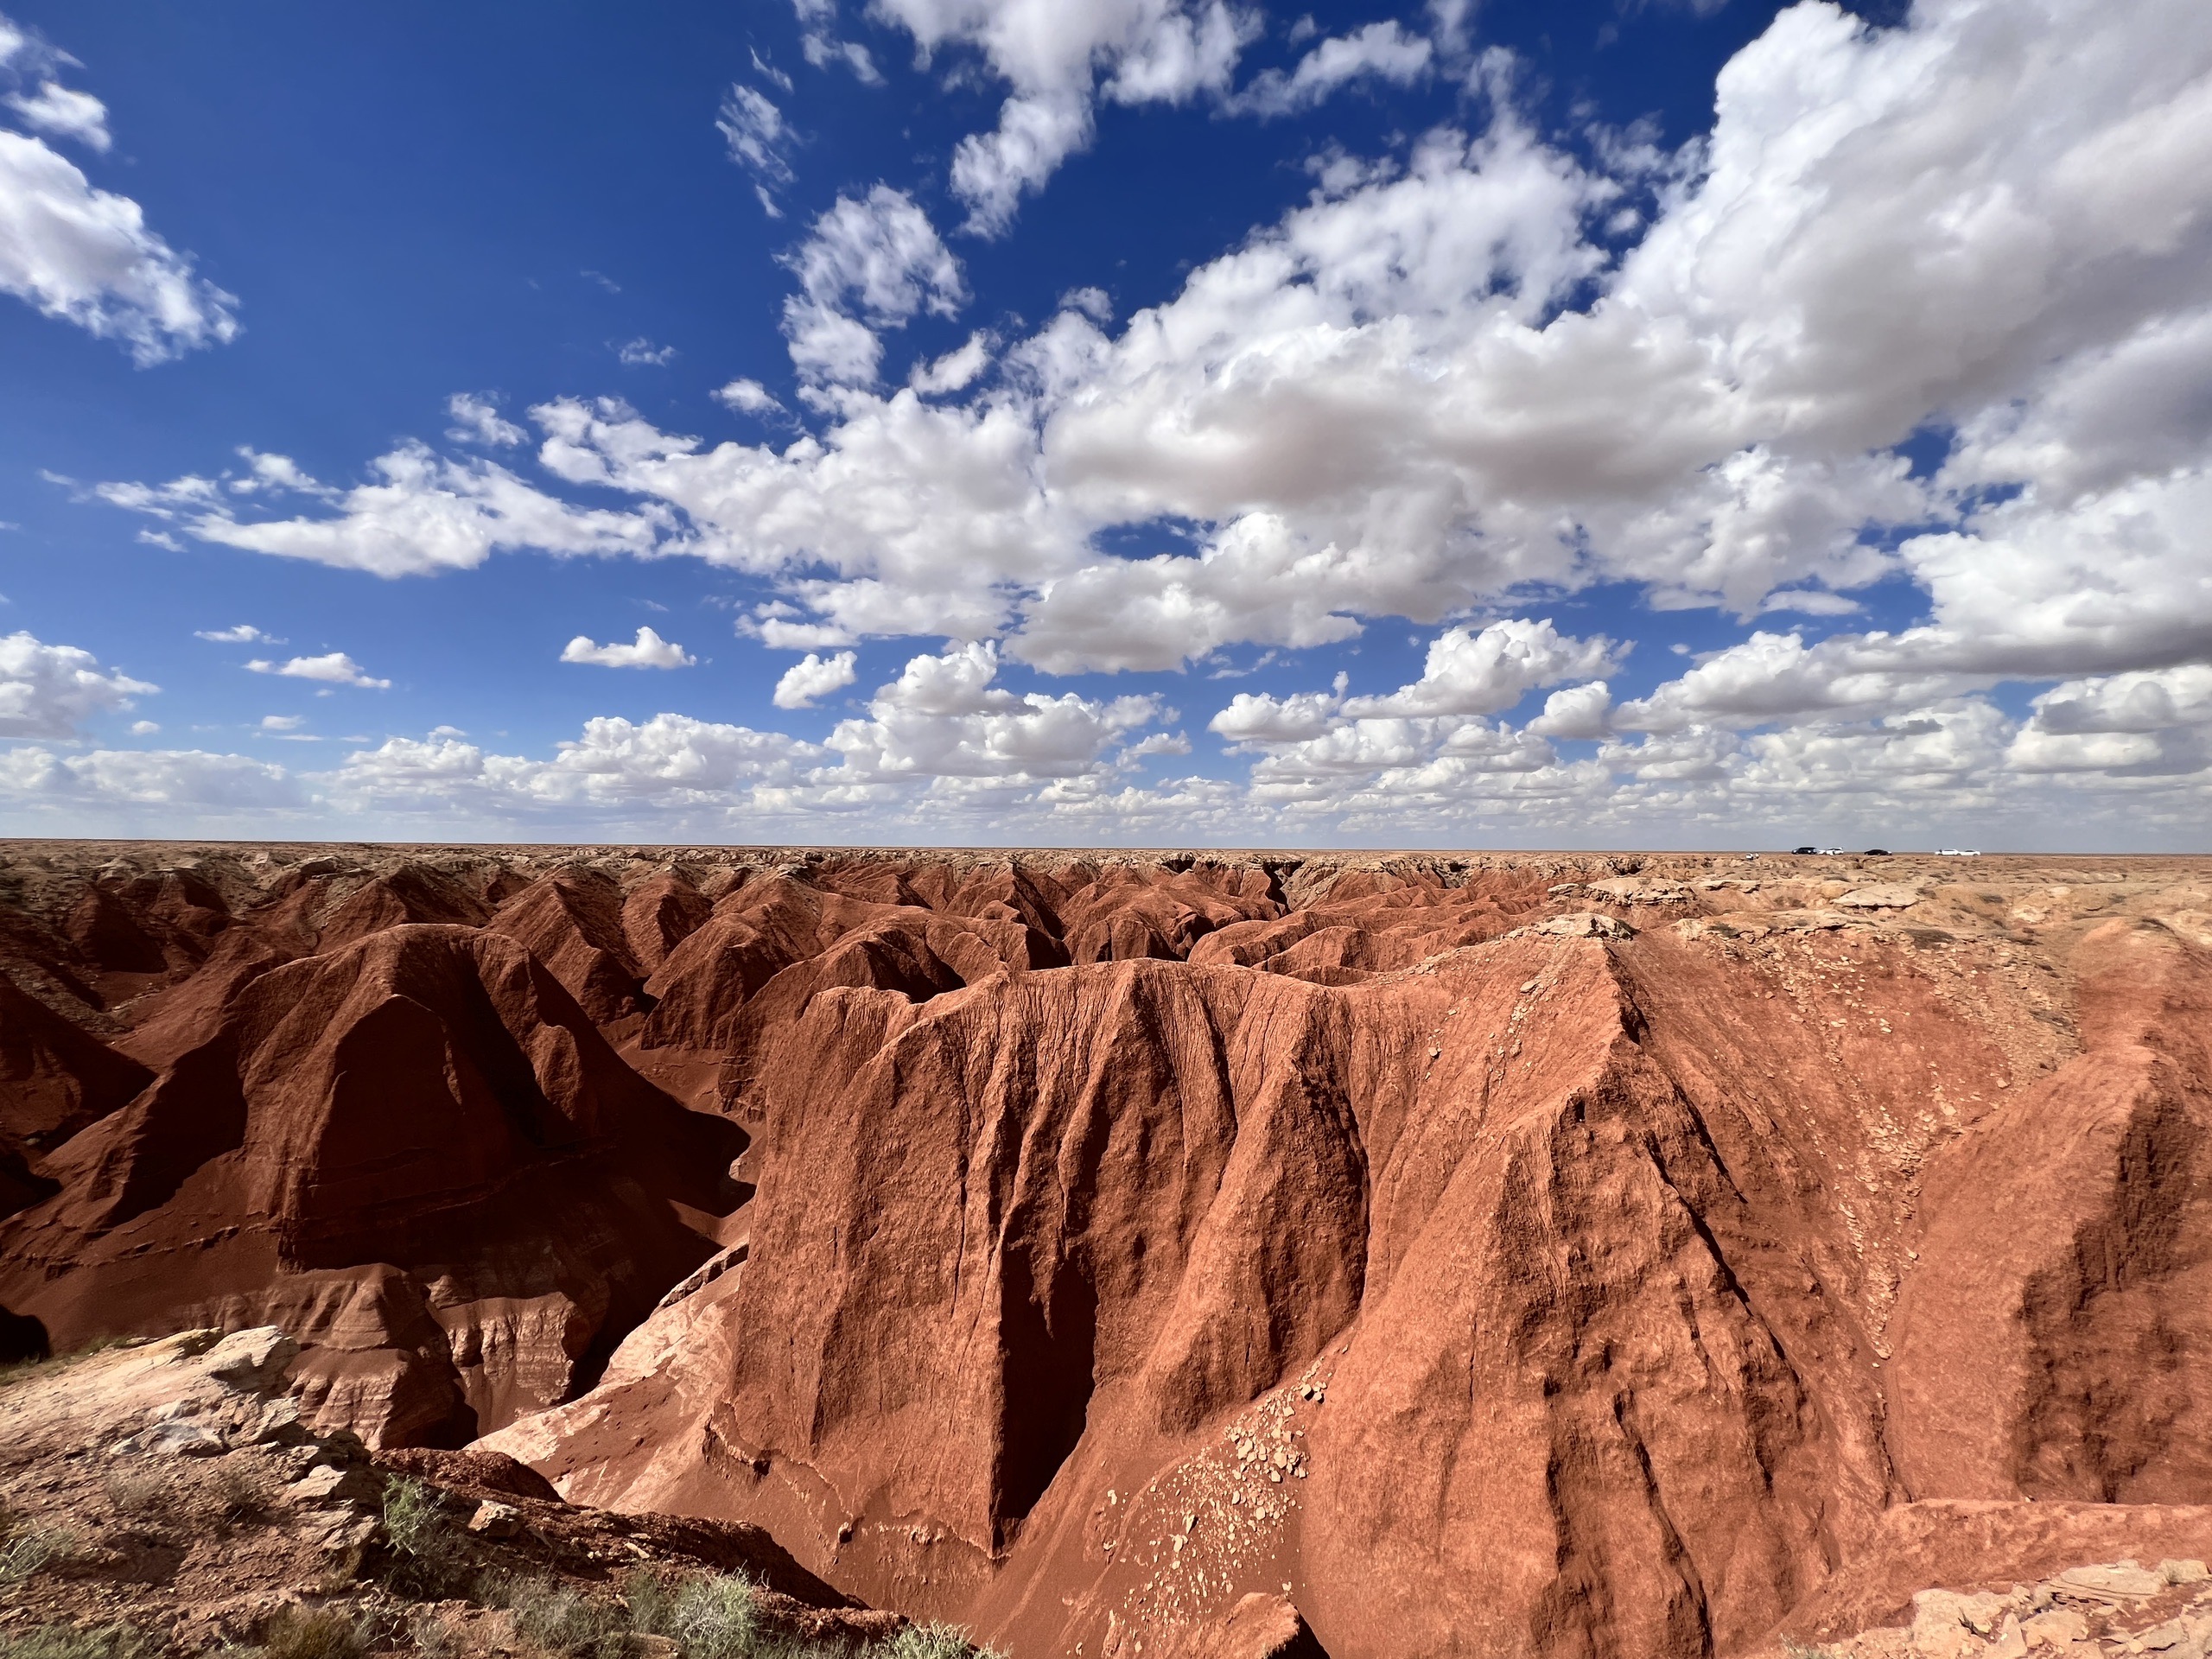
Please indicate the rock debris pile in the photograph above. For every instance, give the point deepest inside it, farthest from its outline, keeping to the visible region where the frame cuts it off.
(2098, 1610)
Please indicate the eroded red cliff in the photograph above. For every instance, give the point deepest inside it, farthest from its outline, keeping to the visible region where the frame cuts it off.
(1511, 1256)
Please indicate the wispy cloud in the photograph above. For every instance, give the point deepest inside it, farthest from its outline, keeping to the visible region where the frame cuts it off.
(820, 44)
(58, 111)
(476, 420)
(877, 256)
(761, 141)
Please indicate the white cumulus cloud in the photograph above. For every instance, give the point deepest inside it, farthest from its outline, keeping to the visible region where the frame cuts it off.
(1381, 51)
(814, 677)
(1058, 59)
(1484, 671)
(670, 760)
(426, 513)
(945, 717)
(955, 371)
(52, 691)
(1577, 711)
(820, 44)
(649, 649)
(103, 787)
(332, 668)
(1429, 740)
(746, 397)
(85, 255)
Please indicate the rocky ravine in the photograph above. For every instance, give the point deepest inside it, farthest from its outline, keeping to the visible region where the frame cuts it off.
(1503, 1254)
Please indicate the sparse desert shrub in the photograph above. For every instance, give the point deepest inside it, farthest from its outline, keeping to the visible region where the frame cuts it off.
(312, 1633)
(650, 1599)
(75, 1642)
(428, 1553)
(432, 1635)
(709, 1615)
(414, 1518)
(558, 1618)
(144, 1494)
(713, 1617)
(26, 1549)
(239, 1494)
(934, 1641)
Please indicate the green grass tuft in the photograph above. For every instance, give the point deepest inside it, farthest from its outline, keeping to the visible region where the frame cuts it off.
(557, 1618)
(713, 1617)
(76, 1642)
(313, 1633)
(26, 1550)
(428, 1557)
(934, 1641)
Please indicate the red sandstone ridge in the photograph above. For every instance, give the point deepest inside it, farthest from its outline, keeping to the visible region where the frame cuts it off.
(1117, 1254)
(414, 1150)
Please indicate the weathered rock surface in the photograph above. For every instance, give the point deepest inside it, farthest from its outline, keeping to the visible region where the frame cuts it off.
(1504, 1255)
(414, 1150)
(1259, 1626)
(2090, 1610)
(55, 1079)
(170, 1490)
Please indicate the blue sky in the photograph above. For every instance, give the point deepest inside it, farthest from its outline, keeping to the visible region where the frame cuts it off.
(1114, 422)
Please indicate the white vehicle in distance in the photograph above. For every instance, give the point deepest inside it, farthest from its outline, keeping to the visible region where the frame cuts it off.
(1958, 852)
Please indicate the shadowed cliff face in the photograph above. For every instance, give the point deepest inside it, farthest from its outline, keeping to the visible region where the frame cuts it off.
(1511, 1256)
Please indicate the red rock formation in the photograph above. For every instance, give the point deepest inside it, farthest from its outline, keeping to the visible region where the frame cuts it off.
(1968, 1545)
(55, 1079)
(2067, 1247)
(573, 921)
(412, 893)
(1517, 1257)
(658, 914)
(1261, 1626)
(417, 1153)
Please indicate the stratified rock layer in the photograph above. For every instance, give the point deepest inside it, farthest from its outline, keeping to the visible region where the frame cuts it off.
(1357, 1254)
